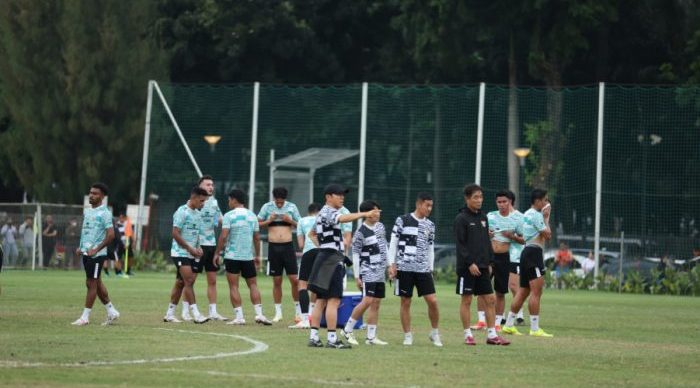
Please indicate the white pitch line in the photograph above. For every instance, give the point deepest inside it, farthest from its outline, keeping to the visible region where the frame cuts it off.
(257, 348)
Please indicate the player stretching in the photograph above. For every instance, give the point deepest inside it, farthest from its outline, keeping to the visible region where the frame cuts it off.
(240, 236)
(536, 232)
(411, 259)
(186, 253)
(96, 234)
(369, 257)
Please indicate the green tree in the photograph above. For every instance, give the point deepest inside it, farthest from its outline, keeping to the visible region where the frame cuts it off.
(74, 75)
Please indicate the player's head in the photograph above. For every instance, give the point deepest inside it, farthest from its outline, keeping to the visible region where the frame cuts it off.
(313, 209)
(369, 205)
(696, 252)
(237, 197)
(197, 197)
(539, 198)
(279, 195)
(424, 204)
(206, 182)
(97, 193)
(473, 196)
(335, 195)
(504, 200)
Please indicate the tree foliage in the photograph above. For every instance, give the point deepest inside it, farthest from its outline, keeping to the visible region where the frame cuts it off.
(73, 77)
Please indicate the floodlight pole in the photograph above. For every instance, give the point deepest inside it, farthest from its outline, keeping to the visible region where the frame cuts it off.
(144, 165)
(599, 179)
(272, 171)
(480, 133)
(254, 145)
(363, 145)
(312, 173)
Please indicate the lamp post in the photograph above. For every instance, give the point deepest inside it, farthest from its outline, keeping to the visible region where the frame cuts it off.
(522, 153)
(212, 140)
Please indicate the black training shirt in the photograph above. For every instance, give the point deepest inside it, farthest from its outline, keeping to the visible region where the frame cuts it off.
(472, 240)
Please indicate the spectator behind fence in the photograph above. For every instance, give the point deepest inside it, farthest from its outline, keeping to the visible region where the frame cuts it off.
(71, 239)
(26, 234)
(9, 241)
(562, 261)
(48, 240)
(588, 265)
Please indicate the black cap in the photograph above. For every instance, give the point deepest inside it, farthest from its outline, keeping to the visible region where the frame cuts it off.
(335, 188)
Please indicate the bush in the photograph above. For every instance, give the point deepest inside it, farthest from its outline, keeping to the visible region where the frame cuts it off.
(148, 261)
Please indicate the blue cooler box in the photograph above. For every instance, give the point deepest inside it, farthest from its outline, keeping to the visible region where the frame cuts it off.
(347, 304)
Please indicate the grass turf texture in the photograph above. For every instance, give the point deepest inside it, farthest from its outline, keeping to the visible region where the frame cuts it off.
(601, 339)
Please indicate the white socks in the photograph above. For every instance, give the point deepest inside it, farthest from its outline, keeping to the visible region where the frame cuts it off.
(258, 310)
(371, 332)
(212, 309)
(520, 313)
(185, 308)
(278, 309)
(491, 332)
(297, 309)
(171, 310)
(350, 325)
(332, 337)
(313, 334)
(499, 318)
(86, 314)
(195, 310)
(511, 319)
(434, 332)
(468, 333)
(239, 312)
(534, 322)
(110, 308)
(482, 316)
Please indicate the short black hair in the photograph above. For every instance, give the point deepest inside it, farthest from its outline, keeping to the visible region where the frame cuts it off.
(424, 196)
(314, 208)
(196, 190)
(239, 195)
(205, 178)
(508, 194)
(537, 194)
(472, 188)
(100, 186)
(279, 192)
(368, 205)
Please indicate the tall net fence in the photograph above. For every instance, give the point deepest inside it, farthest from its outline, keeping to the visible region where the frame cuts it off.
(425, 139)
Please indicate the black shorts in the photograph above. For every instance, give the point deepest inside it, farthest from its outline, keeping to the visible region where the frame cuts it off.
(111, 255)
(374, 289)
(307, 263)
(468, 284)
(405, 281)
(207, 259)
(244, 267)
(531, 265)
(501, 272)
(93, 266)
(122, 251)
(335, 290)
(187, 262)
(281, 258)
(514, 268)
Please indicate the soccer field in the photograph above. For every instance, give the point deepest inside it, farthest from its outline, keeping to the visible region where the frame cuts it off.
(600, 339)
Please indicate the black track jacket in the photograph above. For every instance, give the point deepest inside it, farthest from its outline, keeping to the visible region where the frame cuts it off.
(472, 240)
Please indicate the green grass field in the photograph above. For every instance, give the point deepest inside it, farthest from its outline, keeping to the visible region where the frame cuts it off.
(601, 339)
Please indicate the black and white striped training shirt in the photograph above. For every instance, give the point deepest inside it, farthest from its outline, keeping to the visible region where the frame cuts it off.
(369, 252)
(412, 244)
(328, 231)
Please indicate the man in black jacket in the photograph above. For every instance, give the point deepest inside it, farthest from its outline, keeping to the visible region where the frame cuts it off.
(474, 259)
